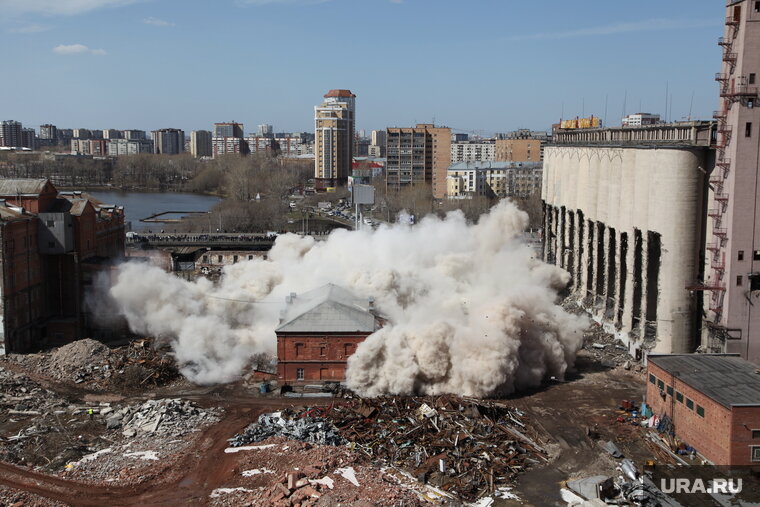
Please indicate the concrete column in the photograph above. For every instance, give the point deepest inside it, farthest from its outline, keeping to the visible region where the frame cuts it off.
(561, 237)
(644, 268)
(618, 276)
(547, 231)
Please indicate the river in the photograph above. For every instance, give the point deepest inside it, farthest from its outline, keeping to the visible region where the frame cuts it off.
(139, 205)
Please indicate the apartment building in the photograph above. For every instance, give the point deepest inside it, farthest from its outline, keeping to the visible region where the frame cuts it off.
(228, 139)
(521, 146)
(11, 134)
(92, 147)
(418, 155)
(494, 179)
(112, 134)
(168, 141)
(119, 147)
(334, 129)
(134, 135)
(48, 132)
(473, 151)
(200, 143)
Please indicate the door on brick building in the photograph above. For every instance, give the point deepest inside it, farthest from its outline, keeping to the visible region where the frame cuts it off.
(324, 374)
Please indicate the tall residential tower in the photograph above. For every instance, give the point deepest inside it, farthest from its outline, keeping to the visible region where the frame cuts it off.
(334, 126)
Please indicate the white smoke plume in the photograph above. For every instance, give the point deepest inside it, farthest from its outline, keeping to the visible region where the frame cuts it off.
(470, 309)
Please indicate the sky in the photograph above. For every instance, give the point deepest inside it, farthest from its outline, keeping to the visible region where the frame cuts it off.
(478, 66)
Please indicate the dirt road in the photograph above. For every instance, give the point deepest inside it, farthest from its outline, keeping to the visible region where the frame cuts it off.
(189, 483)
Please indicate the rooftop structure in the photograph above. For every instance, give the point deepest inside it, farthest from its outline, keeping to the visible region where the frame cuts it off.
(725, 378)
(688, 133)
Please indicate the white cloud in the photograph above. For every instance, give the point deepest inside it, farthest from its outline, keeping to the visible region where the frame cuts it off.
(77, 49)
(618, 28)
(60, 7)
(29, 29)
(156, 22)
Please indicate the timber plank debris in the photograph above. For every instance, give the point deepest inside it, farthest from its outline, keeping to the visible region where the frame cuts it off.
(467, 447)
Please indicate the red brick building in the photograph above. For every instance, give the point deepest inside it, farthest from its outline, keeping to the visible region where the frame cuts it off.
(319, 330)
(713, 401)
(51, 247)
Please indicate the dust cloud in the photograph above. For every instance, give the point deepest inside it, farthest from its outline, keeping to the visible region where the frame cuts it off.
(469, 308)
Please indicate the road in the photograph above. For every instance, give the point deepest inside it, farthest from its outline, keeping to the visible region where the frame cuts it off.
(189, 482)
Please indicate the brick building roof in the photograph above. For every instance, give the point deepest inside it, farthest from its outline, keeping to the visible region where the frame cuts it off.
(340, 93)
(728, 379)
(23, 186)
(328, 309)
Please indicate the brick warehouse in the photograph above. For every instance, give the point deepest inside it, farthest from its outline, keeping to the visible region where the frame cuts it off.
(319, 330)
(52, 245)
(713, 401)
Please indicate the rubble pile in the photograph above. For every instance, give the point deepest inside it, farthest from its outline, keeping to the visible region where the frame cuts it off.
(305, 429)
(94, 365)
(19, 395)
(605, 347)
(600, 344)
(168, 417)
(466, 447)
(282, 472)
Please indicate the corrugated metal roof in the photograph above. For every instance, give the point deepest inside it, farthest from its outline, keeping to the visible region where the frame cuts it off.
(727, 379)
(11, 186)
(328, 309)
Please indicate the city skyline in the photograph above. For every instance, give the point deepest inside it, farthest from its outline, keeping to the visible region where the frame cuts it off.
(155, 64)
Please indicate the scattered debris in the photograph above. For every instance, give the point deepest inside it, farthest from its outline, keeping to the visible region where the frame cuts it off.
(305, 429)
(94, 365)
(464, 446)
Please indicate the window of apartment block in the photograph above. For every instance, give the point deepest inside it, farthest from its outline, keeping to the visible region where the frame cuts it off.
(652, 379)
(689, 404)
(752, 78)
(661, 385)
(748, 129)
(700, 411)
(755, 456)
(757, 6)
(219, 258)
(234, 258)
(299, 374)
(739, 281)
(679, 397)
(669, 391)
(740, 255)
(322, 351)
(755, 434)
(299, 349)
(756, 255)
